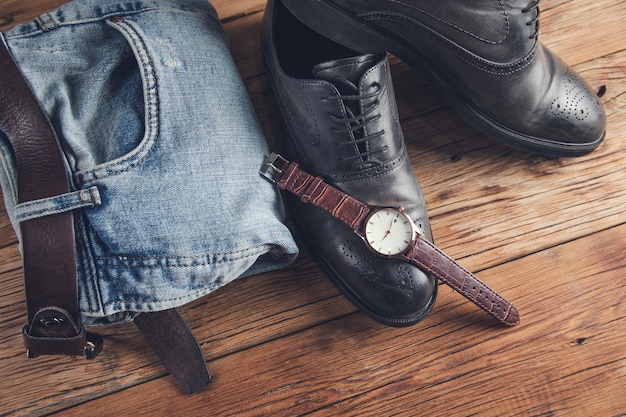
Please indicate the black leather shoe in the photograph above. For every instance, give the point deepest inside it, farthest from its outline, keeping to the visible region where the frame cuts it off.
(483, 57)
(341, 123)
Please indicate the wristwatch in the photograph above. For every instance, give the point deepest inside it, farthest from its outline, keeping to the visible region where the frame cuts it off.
(389, 232)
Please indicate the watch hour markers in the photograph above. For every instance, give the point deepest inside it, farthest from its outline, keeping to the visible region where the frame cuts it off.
(389, 231)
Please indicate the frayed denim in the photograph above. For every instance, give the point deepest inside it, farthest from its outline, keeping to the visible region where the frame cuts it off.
(162, 148)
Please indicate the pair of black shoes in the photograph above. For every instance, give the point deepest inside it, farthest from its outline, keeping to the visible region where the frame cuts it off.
(341, 123)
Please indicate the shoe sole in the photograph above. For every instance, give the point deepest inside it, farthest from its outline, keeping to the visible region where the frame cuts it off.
(348, 31)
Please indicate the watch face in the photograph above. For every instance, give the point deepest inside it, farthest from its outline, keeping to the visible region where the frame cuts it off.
(389, 231)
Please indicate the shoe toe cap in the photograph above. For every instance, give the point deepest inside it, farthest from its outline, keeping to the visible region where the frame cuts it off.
(390, 290)
(575, 113)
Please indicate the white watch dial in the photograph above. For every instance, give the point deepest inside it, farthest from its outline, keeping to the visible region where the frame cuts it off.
(389, 231)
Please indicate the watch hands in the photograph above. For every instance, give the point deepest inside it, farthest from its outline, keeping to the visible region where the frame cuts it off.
(390, 226)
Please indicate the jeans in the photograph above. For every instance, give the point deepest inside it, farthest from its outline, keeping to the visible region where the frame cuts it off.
(162, 149)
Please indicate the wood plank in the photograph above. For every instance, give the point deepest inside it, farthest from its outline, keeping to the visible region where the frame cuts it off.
(14, 12)
(239, 316)
(567, 356)
(232, 10)
(548, 233)
(139, 367)
(578, 29)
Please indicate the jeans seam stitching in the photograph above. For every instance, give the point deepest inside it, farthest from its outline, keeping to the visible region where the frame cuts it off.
(151, 106)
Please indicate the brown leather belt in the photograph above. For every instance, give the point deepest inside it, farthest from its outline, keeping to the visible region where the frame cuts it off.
(49, 252)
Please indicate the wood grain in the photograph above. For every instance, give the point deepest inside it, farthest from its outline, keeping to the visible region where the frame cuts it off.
(355, 367)
(550, 234)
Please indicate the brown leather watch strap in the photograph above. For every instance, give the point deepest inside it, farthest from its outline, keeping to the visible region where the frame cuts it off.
(433, 260)
(289, 176)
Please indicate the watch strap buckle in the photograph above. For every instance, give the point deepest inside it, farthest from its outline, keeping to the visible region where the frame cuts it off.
(273, 166)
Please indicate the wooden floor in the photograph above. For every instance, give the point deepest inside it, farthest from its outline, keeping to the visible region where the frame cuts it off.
(549, 234)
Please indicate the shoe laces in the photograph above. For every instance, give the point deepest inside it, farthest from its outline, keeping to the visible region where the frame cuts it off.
(534, 8)
(356, 121)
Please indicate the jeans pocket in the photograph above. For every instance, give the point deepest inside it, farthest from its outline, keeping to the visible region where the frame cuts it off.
(134, 106)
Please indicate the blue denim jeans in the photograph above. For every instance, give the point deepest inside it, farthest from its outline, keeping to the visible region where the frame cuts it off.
(162, 148)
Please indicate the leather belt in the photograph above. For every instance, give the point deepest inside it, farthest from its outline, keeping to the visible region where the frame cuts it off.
(420, 252)
(48, 242)
(49, 252)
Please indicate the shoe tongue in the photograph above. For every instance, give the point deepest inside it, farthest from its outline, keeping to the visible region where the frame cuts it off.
(350, 69)
(346, 76)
